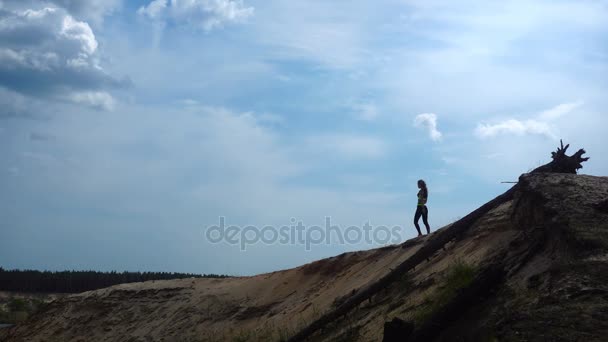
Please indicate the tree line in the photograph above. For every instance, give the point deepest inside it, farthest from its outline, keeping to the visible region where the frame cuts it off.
(80, 281)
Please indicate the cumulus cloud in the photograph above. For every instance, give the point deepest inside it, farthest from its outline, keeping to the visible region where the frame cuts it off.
(46, 52)
(205, 14)
(540, 125)
(428, 121)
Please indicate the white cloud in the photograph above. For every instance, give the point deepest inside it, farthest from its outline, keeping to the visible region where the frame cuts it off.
(205, 14)
(95, 99)
(93, 10)
(350, 146)
(80, 32)
(47, 53)
(541, 125)
(559, 111)
(516, 127)
(154, 10)
(428, 121)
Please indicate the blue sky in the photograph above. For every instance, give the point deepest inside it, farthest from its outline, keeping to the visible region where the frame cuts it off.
(129, 127)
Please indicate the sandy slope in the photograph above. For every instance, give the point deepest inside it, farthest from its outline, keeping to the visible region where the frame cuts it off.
(548, 240)
(215, 309)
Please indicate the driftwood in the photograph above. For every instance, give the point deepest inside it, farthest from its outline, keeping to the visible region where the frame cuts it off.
(561, 163)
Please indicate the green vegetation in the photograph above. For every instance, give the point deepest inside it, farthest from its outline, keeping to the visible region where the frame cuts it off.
(17, 304)
(17, 309)
(459, 275)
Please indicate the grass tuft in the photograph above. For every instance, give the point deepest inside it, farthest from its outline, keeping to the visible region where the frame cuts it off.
(459, 275)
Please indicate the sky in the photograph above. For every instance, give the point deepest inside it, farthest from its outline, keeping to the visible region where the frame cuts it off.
(129, 129)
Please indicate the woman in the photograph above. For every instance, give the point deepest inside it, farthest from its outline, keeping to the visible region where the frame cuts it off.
(421, 209)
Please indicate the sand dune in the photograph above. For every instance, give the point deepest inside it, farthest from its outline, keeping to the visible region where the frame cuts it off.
(548, 240)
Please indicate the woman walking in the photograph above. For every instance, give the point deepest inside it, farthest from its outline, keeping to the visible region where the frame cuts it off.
(421, 209)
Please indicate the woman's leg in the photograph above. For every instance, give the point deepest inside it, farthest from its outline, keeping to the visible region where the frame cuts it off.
(416, 218)
(425, 219)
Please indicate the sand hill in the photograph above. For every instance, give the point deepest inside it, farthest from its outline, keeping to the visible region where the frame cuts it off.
(530, 265)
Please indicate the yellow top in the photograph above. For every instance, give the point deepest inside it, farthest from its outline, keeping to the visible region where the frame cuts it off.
(422, 197)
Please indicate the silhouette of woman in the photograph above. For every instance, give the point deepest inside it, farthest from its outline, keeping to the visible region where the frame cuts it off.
(421, 209)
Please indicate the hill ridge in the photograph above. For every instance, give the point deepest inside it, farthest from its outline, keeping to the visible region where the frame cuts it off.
(538, 252)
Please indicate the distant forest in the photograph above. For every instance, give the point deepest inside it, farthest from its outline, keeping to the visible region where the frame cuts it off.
(80, 281)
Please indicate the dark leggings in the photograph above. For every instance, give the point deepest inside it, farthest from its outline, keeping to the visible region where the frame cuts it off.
(423, 211)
